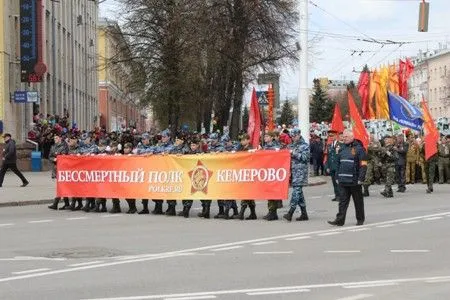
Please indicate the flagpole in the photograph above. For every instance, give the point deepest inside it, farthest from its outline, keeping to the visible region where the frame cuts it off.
(303, 95)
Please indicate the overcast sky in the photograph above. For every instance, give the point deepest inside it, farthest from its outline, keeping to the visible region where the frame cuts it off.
(340, 23)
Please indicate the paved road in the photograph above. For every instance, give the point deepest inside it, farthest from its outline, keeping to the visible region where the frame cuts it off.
(401, 253)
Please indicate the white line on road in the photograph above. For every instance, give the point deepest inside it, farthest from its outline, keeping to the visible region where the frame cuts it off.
(86, 263)
(360, 229)
(386, 226)
(193, 298)
(357, 297)
(410, 251)
(329, 233)
(112, 216)
(273, 252)
(299, 238)
(178, 253)
(227, 248)
(433, 218)
(359, 284)
(40, 221)
(330, 195)
(342, 251)
(30, 271)
(77, 218)
(264, 243)
(438, 280)
(279, 292)
(6, 224)
(411, 222)
(26, 258)
(315, 197)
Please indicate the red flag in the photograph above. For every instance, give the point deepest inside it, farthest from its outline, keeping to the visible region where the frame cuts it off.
(405, 72)
(359, 131)
(254, 121)
(363, 91)
(336, 124)
(401, 76)
(431, 133)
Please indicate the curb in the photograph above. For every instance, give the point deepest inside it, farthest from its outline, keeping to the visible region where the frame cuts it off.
(49, 201)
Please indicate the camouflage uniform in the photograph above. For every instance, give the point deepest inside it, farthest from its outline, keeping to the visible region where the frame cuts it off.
(444, 162)
(162, 148)
(75, 150)
(272, 205)
(388, 159)
(300, 155)
(56, 150)
(100, 204)
(187, 204)
(247, 203)
(422, 163)
(229, 146)
(411, 159)
(430, 169)
(88, 149)
(373, 165)
(145, 148)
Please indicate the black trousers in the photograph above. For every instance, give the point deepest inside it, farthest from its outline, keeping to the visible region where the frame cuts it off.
(400, 171)
(354, 191)
(12, 167)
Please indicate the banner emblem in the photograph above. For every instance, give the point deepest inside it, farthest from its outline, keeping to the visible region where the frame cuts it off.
(200, 176)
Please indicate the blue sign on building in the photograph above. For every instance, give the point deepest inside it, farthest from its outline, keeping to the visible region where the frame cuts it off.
(20, 97)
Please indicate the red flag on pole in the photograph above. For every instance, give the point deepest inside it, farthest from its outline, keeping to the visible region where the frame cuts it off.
(359, 131)
(431, 133)
(254, 121)
(336, 124)
(363, 91)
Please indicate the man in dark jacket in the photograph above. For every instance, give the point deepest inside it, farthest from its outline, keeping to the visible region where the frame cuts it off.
(331, 163)
(9, 160)
(351, 166)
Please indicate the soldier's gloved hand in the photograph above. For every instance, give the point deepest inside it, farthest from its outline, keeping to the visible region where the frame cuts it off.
(360, 182)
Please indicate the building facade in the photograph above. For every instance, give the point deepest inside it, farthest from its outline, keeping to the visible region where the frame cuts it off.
(69, 87)
(439, 84)
(119, 103)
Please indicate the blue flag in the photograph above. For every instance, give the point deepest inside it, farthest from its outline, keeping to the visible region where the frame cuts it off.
(404, 113)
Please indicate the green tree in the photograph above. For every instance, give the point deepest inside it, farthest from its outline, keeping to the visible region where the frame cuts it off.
(245, 118)
(321, 108)
(287, 113)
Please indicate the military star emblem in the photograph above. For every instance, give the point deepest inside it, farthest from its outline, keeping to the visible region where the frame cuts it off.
(200, 176)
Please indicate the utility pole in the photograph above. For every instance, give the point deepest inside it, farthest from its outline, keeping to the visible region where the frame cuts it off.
(54, 102)
(303, 94)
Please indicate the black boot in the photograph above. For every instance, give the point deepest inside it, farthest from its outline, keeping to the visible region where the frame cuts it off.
(87, 206)
(92, 204)
(97, 206)
(252, 213)
(304, 215)
(72, 204)
(158, 208)
(221, 213)
(171, 210)
(272, 216)
(116, 207)
(66, 204)
(144, 210)
(240, 216)
(80, 204)
(186, 211)
(181, 213)
(103, 206)
(226, 214)
(366, 191)
(131, 206)
(54, 206)
(207, 211)
(267, 215)
(289, 214)
(202, 214)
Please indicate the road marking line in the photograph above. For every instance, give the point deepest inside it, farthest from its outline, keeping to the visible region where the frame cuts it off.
(27, 258)
(409, 251)
(40, 221)
(30, 271)
(299, 238)
(112, 216)
(386, 226)
(360, 229)
(360, 286)
(264, 243)
(329, 233)
(357, 297)
(410, 222)
(86, 263)
(331, 195)
(77, 218)
(279, 292)
(342, 251)
(433, 218)
(273, 252)
(6, 224)
(177, 253)
(438, 280)
(227, 248)
(193, 298)
(285, 288)
(315, 197)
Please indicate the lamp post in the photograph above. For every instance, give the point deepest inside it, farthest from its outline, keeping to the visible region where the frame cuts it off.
(303, 94)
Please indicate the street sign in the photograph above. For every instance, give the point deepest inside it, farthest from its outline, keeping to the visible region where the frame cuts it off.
(262, 97)
(26, 97)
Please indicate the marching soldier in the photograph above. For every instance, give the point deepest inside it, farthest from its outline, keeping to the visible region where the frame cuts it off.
(58, 148)
(128, 150)
(229, 146)
(179, 148)
(214, 146)
(373, 164)
(444, 160)
(100, 205)
(145, 148)
(421, 161)
(272, 205)
(194, 148)
(388, 158)
(164, 147)
(74, 149)
(352, 165)
(430, 169)
(88, 148)
(400, 165)
(245, 146)
(300, 155)
(411, 159)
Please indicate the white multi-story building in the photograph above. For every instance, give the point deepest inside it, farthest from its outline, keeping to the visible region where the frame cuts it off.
(70, 84)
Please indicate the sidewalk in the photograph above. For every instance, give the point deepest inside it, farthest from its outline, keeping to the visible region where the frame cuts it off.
(41, 189)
